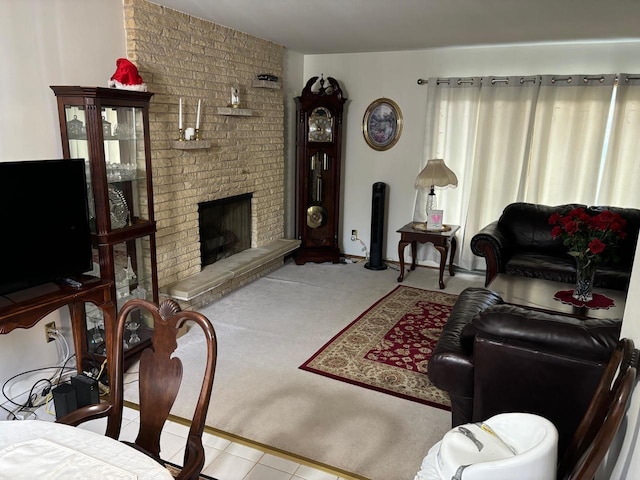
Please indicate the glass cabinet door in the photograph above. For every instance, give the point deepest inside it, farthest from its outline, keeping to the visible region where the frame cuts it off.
(124, 167)
(132, 266)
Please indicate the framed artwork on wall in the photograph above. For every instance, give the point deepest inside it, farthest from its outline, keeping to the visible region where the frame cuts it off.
(382, 124)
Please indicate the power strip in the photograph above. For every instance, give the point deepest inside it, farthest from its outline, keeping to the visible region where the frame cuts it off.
(25, 414)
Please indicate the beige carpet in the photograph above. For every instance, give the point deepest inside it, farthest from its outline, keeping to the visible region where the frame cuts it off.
(268, 328)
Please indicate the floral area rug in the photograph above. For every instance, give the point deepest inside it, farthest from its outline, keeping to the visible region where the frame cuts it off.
(388, 347)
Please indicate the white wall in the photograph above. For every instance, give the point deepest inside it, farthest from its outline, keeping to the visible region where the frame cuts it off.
(627, 464)
(293, 68)
(368, 76)
(47, 42)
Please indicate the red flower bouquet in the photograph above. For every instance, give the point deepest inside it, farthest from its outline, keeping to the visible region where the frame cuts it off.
(590, 239)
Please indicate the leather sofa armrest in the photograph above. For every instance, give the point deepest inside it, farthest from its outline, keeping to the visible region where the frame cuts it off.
(493, 244)
(592, 339)
(450, 367)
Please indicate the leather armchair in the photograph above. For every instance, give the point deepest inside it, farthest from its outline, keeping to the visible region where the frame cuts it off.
(505, 358)
(520, 243)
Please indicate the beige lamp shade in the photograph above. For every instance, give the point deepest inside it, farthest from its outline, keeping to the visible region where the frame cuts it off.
(436, 174)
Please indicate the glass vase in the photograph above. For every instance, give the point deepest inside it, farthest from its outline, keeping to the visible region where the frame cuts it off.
(585, 273)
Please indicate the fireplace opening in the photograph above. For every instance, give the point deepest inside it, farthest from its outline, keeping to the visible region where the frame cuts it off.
(225, 227)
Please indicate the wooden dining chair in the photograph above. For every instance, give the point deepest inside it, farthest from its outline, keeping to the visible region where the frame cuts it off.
(603, 417)
(160, 376)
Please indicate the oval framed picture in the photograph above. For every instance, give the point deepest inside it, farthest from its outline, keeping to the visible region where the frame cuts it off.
(382, 124)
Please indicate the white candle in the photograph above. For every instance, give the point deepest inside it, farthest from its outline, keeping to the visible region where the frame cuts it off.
(180, 115)
(198, 116)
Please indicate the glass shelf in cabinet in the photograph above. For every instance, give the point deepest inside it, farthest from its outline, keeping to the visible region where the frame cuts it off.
(118, 172)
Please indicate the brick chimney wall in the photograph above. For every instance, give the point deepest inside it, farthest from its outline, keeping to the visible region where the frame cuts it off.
(183, 56)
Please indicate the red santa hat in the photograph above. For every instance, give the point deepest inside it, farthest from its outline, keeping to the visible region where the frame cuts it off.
(127, 77)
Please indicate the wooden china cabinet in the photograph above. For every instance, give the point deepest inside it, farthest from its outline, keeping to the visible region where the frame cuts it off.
(109, 128)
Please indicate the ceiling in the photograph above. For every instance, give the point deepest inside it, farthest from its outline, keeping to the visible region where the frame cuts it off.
(349, 26)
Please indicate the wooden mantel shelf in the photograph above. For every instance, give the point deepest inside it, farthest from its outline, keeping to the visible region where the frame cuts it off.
(265, 84)
(237, 112)
(190, 144)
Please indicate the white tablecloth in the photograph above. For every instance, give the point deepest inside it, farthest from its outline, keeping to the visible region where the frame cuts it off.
(38, 449)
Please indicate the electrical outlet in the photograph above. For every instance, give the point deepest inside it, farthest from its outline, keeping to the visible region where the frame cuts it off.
(47, 327)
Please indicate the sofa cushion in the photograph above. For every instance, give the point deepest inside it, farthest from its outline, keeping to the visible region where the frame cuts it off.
(563, 269)
(529, 229)
(559, 268)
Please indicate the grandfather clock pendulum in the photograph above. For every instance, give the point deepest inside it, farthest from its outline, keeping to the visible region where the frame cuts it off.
(319, 151)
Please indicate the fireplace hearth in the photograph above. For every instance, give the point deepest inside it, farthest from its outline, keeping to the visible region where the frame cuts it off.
(225, 227)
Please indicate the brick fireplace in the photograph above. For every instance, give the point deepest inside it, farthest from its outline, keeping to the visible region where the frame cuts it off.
(183, 56)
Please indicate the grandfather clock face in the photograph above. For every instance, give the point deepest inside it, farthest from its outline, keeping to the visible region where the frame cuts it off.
(318, 164)
(320, 125)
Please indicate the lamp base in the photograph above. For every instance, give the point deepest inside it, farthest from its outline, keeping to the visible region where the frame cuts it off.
(431, 200)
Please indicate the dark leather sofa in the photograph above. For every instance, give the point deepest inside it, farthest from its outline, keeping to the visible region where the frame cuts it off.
(494, 357)
(520, 243)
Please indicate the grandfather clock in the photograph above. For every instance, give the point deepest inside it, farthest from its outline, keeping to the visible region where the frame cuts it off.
(319, 151)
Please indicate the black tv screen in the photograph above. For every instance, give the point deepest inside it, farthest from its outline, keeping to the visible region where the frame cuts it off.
(44, 219)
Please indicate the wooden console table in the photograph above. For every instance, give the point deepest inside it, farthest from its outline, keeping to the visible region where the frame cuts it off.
(441, 241)
(26, 308)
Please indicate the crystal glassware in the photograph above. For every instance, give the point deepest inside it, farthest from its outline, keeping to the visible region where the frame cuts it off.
(133, 328)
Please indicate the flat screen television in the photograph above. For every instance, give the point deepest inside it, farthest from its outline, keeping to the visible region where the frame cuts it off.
(44, 222)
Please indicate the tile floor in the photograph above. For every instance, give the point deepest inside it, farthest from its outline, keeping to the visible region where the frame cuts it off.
(224, 459)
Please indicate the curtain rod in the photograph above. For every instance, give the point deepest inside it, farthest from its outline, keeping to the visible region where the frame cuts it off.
(422, 81)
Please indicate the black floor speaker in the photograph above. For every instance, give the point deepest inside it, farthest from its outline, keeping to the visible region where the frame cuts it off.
(377, 227)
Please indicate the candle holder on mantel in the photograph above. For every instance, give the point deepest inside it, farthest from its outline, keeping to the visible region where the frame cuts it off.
(194, 143)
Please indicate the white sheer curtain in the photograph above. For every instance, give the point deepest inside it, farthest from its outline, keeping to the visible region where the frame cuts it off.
(480, 128)
(542, 139)
(621, 169)
(568, 139)
(499, 161)
(452, 107)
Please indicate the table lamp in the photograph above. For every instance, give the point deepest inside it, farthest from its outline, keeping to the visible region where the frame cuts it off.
(435, 174)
